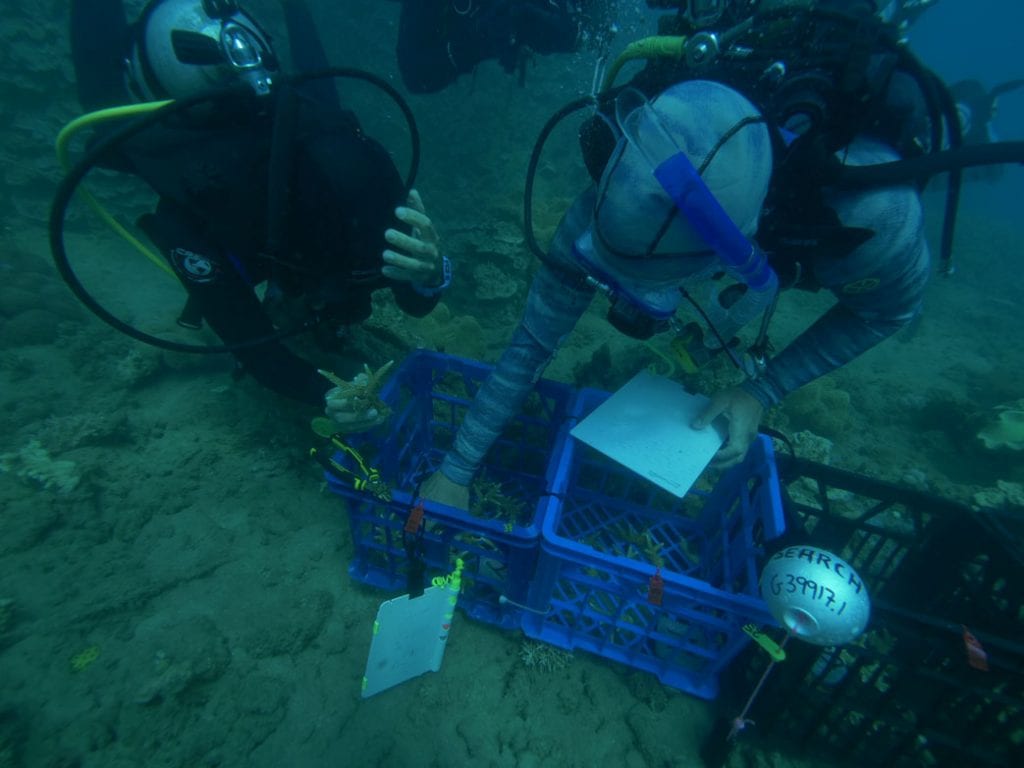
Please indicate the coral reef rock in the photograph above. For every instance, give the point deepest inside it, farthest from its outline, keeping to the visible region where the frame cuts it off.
(1005, 427)
(543, 657)
(493, 283)
(813, 447)
(1005, 495)
(34, 463)
(820, 407)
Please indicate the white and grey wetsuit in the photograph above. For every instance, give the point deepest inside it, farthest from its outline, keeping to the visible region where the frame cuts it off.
(878, 288)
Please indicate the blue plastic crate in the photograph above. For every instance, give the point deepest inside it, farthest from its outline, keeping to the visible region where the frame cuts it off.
(608, 532)
(429, 395)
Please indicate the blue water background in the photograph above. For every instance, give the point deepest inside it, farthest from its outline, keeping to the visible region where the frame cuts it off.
(981, 39)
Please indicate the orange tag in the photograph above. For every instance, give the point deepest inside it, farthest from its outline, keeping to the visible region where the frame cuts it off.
(415, 519)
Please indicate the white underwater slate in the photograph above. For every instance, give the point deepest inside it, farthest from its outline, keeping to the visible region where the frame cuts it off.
(645, 426)
(409, 639)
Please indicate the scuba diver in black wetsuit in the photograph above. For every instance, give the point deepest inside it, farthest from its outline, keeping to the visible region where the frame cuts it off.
(266, 184)
(438, 40)
(901, 13)
(976, 107)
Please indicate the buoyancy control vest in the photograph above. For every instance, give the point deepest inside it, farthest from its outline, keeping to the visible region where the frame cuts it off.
(820, 78)
(240, 179)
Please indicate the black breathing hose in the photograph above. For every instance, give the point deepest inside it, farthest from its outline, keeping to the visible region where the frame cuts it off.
(906, 171)
(531, 169)
(69, 184)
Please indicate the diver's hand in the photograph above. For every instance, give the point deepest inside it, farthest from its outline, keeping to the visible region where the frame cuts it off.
(414, 258)
(343, 410)
(439, 488)
(744, 413)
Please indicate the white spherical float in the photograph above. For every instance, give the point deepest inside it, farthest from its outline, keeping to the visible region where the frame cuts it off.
(815, 595)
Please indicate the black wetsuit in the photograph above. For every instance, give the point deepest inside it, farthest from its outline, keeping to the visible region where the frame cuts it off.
(438, 40)
(211, 221)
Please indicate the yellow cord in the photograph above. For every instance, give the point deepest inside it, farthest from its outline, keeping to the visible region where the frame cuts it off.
(773, 649)
(63, 156)
(654, 47)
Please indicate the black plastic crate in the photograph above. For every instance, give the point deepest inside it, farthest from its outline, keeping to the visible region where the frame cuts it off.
(902, 695)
